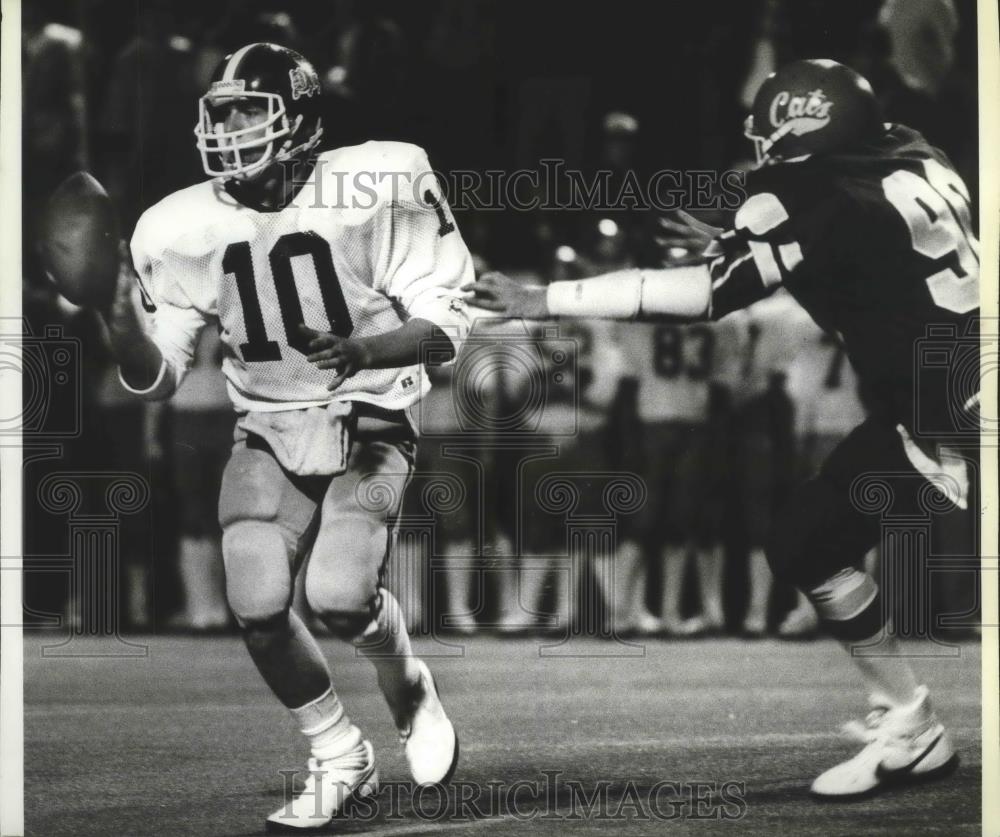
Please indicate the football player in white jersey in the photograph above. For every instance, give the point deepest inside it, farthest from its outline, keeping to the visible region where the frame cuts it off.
(333, 278)
(777, 328)
(679, 460)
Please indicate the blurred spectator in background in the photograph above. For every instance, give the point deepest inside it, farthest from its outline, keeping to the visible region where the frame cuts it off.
(667, 449)
(445, 454)
(569, 442)
(460, 50)
(922, 38)
(198, 436)
(369, 88)
(120, 434)
(916, 79)
(619, 145)
(762, 469)
(144, 139)
(54, 123)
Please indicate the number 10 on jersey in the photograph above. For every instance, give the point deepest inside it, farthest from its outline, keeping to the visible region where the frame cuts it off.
(238, 261)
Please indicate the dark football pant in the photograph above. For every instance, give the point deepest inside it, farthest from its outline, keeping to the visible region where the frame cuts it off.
(835, 518)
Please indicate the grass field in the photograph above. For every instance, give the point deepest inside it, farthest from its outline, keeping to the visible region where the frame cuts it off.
(188, 741)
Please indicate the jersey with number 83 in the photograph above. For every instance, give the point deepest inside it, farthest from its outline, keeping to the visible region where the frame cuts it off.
(877, 246)
(366, 243)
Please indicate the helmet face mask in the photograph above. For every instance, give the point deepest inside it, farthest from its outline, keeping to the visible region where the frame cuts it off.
(231, 147)
(762, 145)
(283, 88)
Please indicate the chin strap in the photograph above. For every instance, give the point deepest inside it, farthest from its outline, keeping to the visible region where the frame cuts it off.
(286, 153)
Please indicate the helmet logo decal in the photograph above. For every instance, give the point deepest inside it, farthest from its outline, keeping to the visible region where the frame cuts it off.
(303, 83)
(800, 114)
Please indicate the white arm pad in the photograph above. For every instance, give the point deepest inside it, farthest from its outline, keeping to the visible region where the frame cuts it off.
(632, 294)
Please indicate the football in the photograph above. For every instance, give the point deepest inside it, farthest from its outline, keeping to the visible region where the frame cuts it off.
(80, 241)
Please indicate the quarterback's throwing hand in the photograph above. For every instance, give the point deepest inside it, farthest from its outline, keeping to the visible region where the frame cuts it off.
(344, 356)
(500, 293)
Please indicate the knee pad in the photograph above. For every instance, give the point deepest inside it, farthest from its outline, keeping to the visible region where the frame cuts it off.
(345, 604)
(258, 575)
(344, 572)
(850, 605)
(350, 626)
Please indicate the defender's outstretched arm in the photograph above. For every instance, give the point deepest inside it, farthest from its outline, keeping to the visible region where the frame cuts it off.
(636, 294)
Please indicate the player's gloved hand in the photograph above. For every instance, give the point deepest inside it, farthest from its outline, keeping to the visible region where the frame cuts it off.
(682, 237)
(346, 357)
(497, 292)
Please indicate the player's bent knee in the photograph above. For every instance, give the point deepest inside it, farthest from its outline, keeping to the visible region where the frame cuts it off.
(347, 625)
(262, 633)
(258, 577)
(344, 605)
(850, 605)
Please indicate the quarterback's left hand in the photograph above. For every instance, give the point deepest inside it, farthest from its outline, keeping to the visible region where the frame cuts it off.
(346, 357)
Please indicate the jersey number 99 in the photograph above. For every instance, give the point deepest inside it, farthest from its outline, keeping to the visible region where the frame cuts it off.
(936, 210)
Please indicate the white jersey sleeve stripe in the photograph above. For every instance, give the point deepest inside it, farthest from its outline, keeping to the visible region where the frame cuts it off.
(763, 257)
(718, 283)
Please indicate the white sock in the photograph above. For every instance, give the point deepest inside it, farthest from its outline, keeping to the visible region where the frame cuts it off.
(331, 734)
(674, 564)
(888, 672)
(709, 564)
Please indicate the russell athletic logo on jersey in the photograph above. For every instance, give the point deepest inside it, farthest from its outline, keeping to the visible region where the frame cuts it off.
(800, 114)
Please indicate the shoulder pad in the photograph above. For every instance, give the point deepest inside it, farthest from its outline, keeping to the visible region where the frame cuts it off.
(375, 172)
(185, 221)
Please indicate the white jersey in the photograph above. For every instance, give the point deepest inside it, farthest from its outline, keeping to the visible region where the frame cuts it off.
(367, 243)
(600, 366)
(675, 366)
(776, 329)
(782, 338)
(824, 387)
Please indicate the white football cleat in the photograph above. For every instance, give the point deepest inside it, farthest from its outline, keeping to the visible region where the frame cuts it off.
(643, 623)
(428, 737)
(755, 626)
(327, 790)
(904, 745)
(800, 622)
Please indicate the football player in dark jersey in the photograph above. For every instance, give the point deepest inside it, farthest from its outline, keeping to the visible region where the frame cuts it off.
(869, 228)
